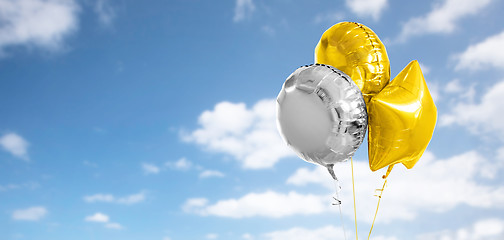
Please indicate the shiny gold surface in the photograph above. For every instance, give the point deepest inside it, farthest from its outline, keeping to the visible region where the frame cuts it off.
(357, 51)
(401, 121)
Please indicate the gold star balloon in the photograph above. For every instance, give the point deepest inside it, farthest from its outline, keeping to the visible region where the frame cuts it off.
(357, 51)
(401, 122)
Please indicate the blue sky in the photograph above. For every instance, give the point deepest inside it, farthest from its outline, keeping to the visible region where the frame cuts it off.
(155, 120)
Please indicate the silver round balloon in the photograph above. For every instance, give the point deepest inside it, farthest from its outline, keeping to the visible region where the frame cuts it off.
(321, 114)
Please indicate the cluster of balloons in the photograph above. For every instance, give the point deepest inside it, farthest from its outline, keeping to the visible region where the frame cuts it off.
(323, 109)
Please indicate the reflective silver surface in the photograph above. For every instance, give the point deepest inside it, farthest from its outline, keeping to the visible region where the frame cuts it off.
(321, 114)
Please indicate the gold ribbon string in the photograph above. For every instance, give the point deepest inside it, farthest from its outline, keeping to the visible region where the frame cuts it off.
(378, 205)
(354, 206)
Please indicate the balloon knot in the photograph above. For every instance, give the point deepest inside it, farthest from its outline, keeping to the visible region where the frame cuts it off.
(336, 201)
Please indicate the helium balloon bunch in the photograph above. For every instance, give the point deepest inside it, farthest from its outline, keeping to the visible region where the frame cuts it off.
(324, 109)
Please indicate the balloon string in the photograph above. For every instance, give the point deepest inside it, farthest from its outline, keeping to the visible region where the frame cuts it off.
(338, 202)
(377, 205)
(354, 206)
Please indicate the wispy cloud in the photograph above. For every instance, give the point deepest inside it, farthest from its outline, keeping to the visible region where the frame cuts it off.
(247, 236)
(11, 186)
(104, 219)
(484, 229)
(30, 214)
(442, 18)
(113, 225)
(452, 183)
(267, 204)
(332, 17)
(268, 29)
(367, 8)
(99, 198)
(300, 233)
(132, 199)
(453, 86)
(243, 10)
(90, 164)
(182, 164)
(40, 23)
(249, 135)
(425, 69)
(211, 173)
(106, 13)
(483, 55)
(109, 198)
(483, 117)
(212, 236)
(15, 145)
(149, 168)
(97, 217)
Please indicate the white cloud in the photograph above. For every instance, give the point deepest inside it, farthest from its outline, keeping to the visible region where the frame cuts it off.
(453, 92)
(105, 12)
(211, 173)
(113, 225)
(329, 17)
(184, 165)
(483, 55)
(194, 203)
(442, 18)
(149, 168)
(425, 69)
(4, 188)
(181, 164)
(41, 23)
(298, 233)
(11, 186)
(267, 204)
(453, 86)
(367, 8)
(249, 135)
(480, 118)
(99, 198)
(485, 229)
(97, 217)
(131, 199)
(30, 214)
(247, 236)
(383, 238)
(268, 29)
(461, 92)
(167, 238)
(500, 153)
(453, 184)
(105, 219)
(301, 233)
(243, 10)
(435, 185)
(15, 145)
(211, 236)
(434, 91)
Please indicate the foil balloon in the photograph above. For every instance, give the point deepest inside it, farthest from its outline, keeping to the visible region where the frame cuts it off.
(357, 51)
(321, 114)
(402, 118)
